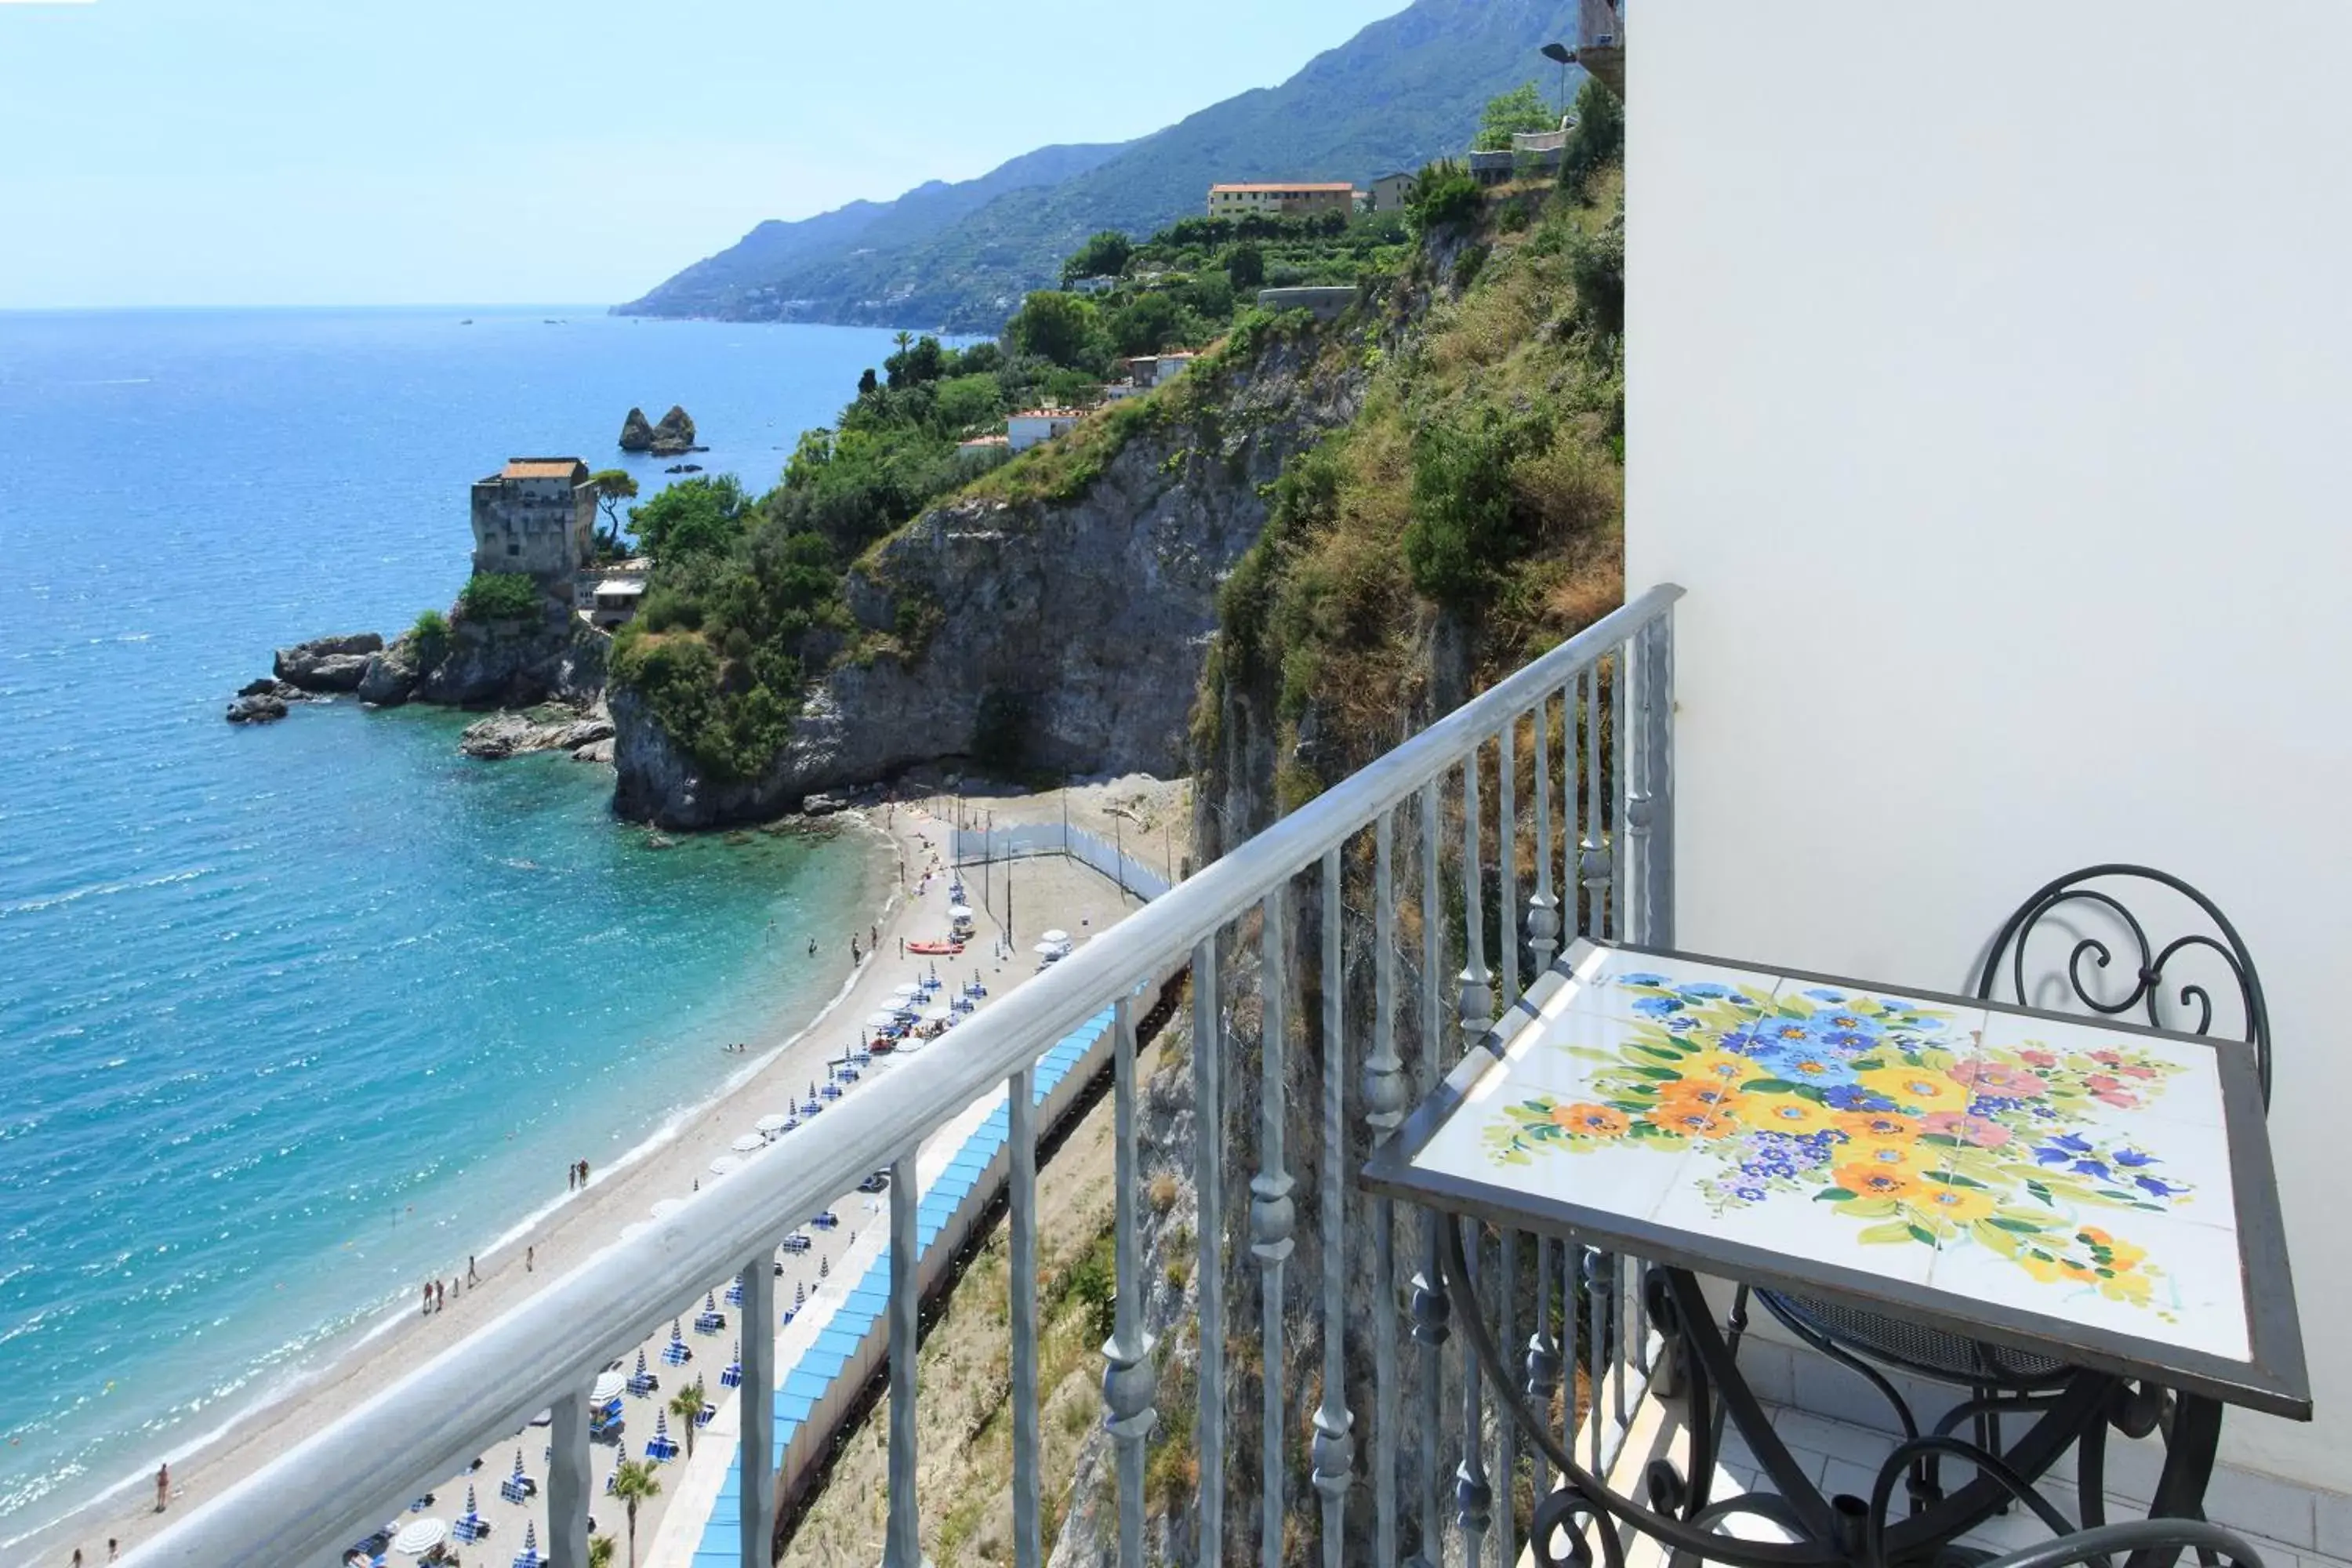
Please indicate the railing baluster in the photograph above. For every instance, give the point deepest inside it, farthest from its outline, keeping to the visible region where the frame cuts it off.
(1633, 748)
(1543, 1362)
(1271, 1216)
(755, 1455)
(568, 1473)
(1506, 1447)
(1473, 1496)
(1543, 908)
(1621, 747)
(1127, 1376)
(1430, 1328)
(1020, 1134)
(1384, 1097)
(1661, 691)
(1507, 855)
(1571, 865)
(1477, 994)
(1596, 1342)
(1594, 862)
(1208, 1157)
(902, 1541)
(1335, 1447)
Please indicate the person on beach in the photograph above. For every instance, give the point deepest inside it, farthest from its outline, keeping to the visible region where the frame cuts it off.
(853, 953)
(572, 1178)
(429, 1295)
(902, 947)
(472, 1278)
(874, 936)
(113, 1549)
(530, 1255)
(583, 1174)
(77, 1561)
(162, 1487)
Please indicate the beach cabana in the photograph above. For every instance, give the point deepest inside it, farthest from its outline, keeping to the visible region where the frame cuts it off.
(676, 1352)
(731, 1376)
(419, 1536)
(518, 1487)
(528, 1556)
(748, 1143)
(661, 1448)
(470, 1526)
(642, 1382)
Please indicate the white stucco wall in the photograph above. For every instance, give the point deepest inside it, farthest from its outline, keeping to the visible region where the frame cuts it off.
(1990, 383)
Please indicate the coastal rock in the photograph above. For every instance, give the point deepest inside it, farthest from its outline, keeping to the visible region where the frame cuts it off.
(1071, 633)
(257, 708)
(596, 751)
(508, 734)
(486, 666)
(270, 685)
(822, 805)
(636, 435)
(328, 664)
(674, 436)
(390, 675)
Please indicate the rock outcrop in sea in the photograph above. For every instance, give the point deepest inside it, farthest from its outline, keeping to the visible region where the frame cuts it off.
(487, 666)
(674, 437)
(327, 664)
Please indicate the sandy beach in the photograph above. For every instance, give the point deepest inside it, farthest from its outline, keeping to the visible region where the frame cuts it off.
(1051, 891)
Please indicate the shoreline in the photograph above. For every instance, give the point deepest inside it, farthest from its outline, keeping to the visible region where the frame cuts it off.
(369, 1344)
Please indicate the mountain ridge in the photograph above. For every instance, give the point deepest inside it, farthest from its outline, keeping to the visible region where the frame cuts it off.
(1402, 90)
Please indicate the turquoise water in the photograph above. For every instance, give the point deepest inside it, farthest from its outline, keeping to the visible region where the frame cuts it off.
(293, 1017)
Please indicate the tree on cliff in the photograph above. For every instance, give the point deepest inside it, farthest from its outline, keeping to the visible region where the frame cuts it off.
(1521, 109)
(703, 515)
(614, 486)
(1106, 255)
(1059, 327)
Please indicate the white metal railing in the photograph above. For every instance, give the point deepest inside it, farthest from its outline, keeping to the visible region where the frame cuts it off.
(1611, 687)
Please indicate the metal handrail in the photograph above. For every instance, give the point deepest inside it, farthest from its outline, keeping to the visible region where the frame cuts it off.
(310, 1502)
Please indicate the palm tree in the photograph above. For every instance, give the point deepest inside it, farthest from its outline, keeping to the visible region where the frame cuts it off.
(688, 1403)
(600, 1551)
(903, 341)
(633, 1483)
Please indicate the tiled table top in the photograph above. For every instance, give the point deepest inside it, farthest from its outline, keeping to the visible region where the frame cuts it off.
(2100, 1192)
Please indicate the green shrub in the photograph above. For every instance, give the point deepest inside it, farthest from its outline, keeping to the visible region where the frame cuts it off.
(431, 635)
(1444, 195)
(1598, 139)
(1464, 527)
(500, 597)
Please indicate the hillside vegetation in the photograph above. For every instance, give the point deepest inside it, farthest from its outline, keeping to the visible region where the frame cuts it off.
(1407, 88)
(1477, 498)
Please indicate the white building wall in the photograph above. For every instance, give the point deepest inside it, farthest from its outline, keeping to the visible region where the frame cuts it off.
(1990, 380)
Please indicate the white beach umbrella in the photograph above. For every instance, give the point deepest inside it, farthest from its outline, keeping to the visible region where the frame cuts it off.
(936, 1014)
(773, 1123)
(607, 1386)
(910, 1045)
(726, 1164)
(884, 1019)
(748, 1143)
(959, 911)
(908, 989)
(1052, 948)
(419, 1536)
(1061, 937)
(667, 1207)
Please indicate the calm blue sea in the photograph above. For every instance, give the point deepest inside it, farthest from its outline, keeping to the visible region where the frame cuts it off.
(293, 1017)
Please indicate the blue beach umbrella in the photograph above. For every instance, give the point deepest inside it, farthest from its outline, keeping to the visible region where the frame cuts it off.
(731, 1376)
(528, 1556)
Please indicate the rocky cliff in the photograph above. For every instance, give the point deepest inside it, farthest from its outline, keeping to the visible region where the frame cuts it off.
(1052, 632)
(493, 664)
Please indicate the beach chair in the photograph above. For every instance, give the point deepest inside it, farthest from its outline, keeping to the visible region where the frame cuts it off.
(676, 1352)
(661, 1448)
(825, 1219)
(528, 1556)
(735, 1291)
(796, 1243)
(710, 1320)
(518, 1487)
(731, 1376)
(642, 1382)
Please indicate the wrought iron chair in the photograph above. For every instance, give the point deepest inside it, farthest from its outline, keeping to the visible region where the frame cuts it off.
(1998, 1378)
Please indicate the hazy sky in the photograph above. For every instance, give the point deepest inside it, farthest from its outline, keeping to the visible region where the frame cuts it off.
(268, 151)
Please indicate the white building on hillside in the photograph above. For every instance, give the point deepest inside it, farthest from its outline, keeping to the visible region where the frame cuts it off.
(1032, 425)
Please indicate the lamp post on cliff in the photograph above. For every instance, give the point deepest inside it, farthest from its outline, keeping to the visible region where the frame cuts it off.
(1565, 56)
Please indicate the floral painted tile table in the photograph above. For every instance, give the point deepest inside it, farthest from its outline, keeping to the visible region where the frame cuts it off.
(2098, 1195)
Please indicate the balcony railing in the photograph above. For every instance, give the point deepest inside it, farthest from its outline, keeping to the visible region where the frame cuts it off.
(1543, 805)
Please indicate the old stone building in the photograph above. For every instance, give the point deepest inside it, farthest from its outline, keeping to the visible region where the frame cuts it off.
(536, 515)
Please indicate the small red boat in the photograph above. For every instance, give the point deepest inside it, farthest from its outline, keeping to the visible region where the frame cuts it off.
(946, 949)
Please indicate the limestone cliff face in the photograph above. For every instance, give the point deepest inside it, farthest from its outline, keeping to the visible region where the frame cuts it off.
(1067, 633)
(495, 665)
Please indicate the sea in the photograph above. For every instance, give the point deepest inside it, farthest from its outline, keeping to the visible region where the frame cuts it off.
(296, 1017)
